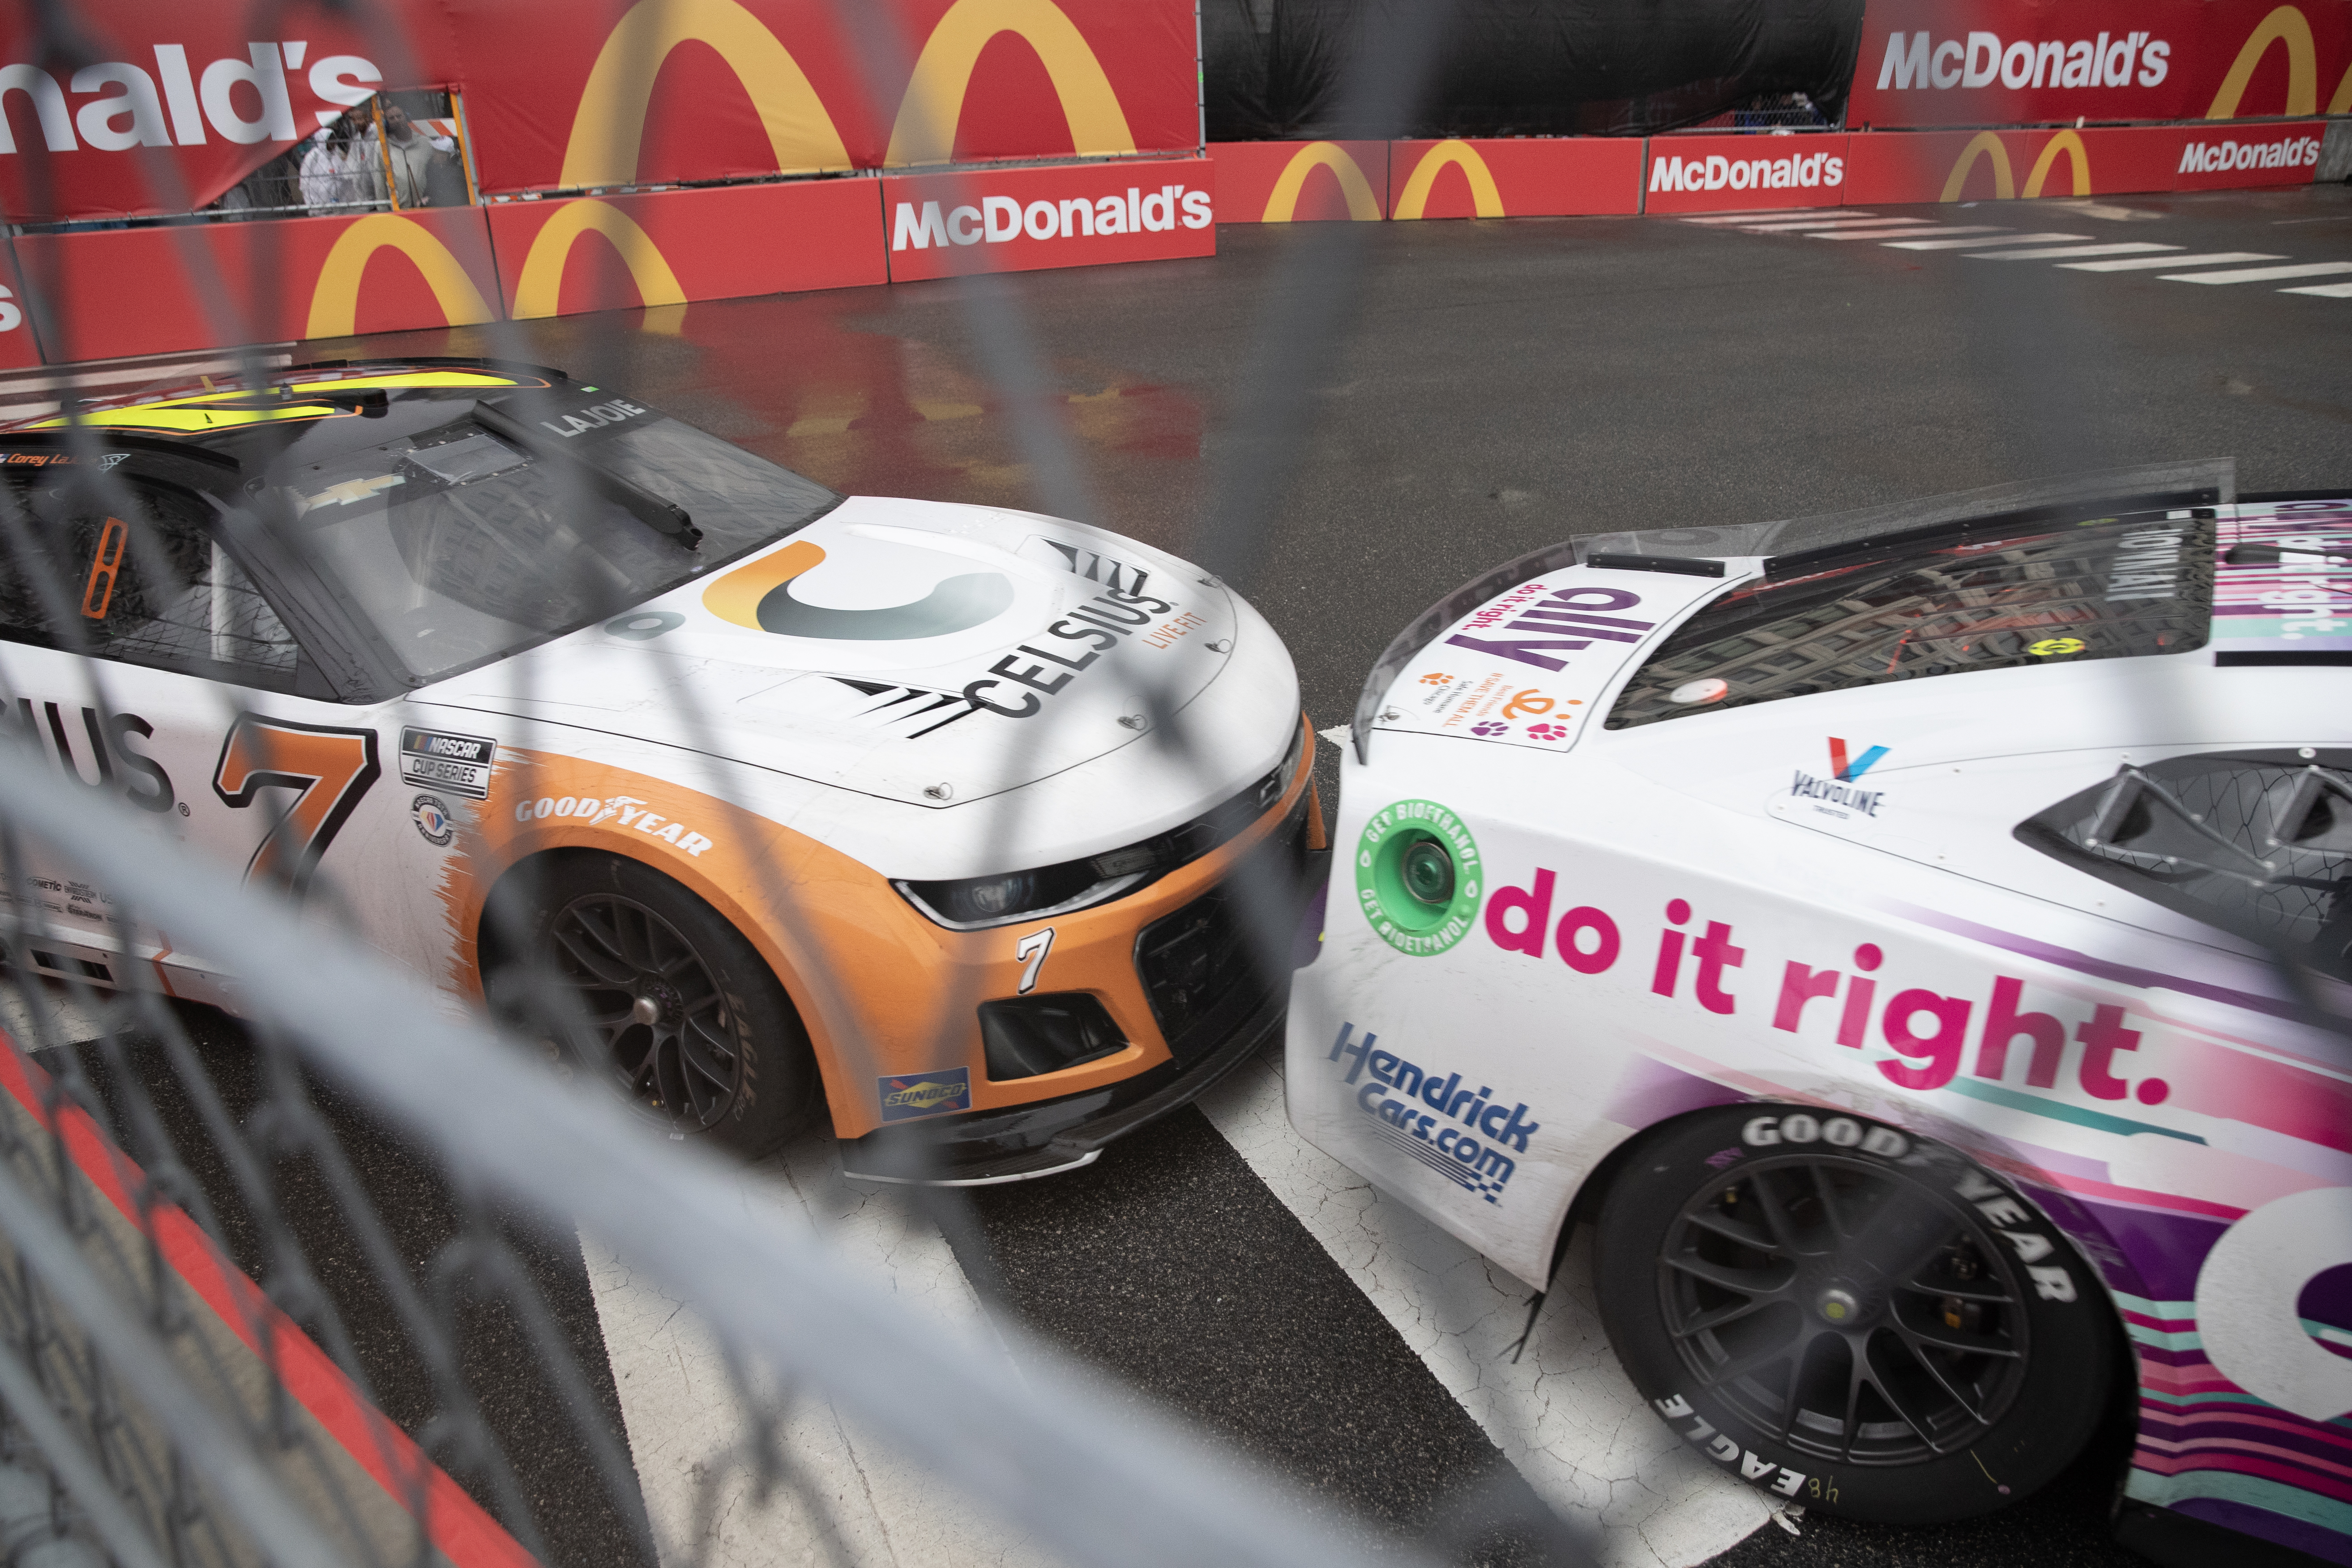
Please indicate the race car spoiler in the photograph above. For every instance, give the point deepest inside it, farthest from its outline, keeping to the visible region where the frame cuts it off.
(2204, 482)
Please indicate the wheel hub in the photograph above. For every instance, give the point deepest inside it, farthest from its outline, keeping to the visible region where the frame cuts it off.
(1839, 1306)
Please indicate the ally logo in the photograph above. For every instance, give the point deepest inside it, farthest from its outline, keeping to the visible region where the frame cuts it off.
(759, 594)
(1846, 769)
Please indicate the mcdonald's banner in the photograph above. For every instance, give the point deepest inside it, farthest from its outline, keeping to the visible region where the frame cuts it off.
(1302, 182)
(114, 293)
(1521, 177)
(600, 253)
(582, 93)
(176, 104)
(1740, 174)
(1996, 165)
(20, 349)
(1067, 215)
(2008, 62)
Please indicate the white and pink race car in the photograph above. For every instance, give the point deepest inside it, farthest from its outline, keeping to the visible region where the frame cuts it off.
(1923, 956)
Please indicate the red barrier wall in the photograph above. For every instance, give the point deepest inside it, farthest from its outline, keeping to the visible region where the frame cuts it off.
(19, 348)
(587, 253)
(1985, 166)
(1069, 214)
(1741, 173)
(117, 293)
(1522, 177)
(2010, 62)
(1302, 182)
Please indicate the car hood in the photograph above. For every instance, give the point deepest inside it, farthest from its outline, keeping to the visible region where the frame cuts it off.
(919, 651)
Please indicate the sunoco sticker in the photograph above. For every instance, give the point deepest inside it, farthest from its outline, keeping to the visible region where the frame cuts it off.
(458, 764)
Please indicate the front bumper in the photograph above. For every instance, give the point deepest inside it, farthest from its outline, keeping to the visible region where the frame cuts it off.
(1219, 996)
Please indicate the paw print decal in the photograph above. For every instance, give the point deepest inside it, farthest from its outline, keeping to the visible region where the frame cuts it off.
(1548, 731)
(1434, 679)
(1490, 728)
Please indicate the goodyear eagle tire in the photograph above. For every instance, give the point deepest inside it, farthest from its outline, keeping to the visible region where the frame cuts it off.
(1849, 1317)
(631, 979)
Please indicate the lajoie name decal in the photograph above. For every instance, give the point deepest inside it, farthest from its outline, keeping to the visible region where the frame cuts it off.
(458, 764)
(1017, 685)
(1701, 1435)
(623, 810)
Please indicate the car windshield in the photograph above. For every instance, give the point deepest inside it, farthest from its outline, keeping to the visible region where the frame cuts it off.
(479, 537)
(1963, 599)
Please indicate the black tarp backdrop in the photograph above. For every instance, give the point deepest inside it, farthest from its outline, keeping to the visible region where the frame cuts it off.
(1530, 67)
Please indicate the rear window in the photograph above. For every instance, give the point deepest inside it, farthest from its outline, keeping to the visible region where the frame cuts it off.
(2258, 842)
(1984, 597)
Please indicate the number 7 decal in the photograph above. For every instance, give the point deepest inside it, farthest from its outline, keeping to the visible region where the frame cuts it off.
(330, 768)
(1032, 950)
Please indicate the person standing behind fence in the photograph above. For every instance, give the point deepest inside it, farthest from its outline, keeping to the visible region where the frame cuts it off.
(421, 166)
(335, 169)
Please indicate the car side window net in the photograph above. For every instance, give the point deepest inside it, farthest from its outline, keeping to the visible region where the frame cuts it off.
(2258, 842)
(134, 571)
(1955, 600)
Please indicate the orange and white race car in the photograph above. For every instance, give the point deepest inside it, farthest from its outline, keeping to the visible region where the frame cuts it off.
(728, 787)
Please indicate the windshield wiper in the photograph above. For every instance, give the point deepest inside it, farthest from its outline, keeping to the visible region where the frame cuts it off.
(661, 516)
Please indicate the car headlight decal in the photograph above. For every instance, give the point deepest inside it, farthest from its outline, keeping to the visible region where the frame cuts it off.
(974, 903)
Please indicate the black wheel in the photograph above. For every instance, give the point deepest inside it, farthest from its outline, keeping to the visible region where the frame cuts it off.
(632, 980)
(1849, 1317)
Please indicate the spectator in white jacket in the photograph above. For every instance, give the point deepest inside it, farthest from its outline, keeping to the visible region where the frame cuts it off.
(422, 167)
(335, 173)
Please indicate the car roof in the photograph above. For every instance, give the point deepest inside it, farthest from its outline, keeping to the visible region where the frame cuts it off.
(251, 421)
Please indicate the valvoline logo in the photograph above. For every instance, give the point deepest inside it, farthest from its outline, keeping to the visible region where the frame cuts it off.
(1845, 770)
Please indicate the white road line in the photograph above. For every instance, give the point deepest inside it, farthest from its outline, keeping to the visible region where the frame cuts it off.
(2150, 263)
(1974, 243)
(2262, 273)
(1564, 1414)
(2324, 290)
(1776, 226)
(873, 1508)
(1753, 213)
(2123, 249)
(1876, 233)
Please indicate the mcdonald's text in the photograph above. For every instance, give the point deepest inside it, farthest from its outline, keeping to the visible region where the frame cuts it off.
(1716, 173)
(941, 226)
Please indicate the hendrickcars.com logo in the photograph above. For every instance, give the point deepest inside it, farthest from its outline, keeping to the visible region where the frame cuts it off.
(1715, 173)
(997, 219)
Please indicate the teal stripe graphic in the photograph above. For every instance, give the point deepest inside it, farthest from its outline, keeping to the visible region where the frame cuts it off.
(2058, 1110)
(2273, 1497)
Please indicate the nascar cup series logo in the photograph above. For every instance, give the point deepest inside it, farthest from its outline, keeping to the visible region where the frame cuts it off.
(1418, 877)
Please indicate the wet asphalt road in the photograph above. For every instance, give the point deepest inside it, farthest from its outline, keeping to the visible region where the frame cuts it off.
(1501, 385)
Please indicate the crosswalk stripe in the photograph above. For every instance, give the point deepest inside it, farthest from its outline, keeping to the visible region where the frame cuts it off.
(2261, 274)
(1876, 233)
(1755, 213)
(2149, 263)
(1828, 226)
(1977, 244)
(2126, 249)
(2324, 290)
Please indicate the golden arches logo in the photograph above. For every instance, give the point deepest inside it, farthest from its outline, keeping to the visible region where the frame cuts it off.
(609, 129)
(538, 289)
(335, 297)
(1485, 199)
(1988, 145)
(1282, 202)
(925, 129)
(2287, 27)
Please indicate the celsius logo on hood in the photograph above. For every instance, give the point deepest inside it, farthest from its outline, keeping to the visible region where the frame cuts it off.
(759, 594)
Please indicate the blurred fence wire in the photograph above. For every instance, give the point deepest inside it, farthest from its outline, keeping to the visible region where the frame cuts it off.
(226, 1334)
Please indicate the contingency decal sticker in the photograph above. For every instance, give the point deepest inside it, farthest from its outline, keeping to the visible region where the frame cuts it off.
(458, 764)
(2282, 584)
(908, 1096)
(1418, 877)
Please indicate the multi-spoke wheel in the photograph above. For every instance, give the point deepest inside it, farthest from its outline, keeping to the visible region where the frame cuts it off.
(1850, 1317)
(632, 980)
